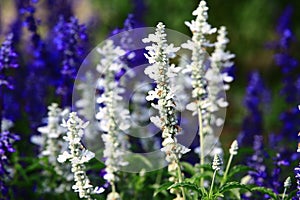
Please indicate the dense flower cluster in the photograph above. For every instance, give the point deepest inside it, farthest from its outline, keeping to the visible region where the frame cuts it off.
(161, 71)
(78, 156)
(113, 117)
(69, 36)
(51, 144)
(6, 147)
(256, 96)
(8, 59)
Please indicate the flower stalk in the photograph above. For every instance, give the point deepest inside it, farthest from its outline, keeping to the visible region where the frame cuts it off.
(216, 166)
(286, 185)
(161, 71)
(232, 151)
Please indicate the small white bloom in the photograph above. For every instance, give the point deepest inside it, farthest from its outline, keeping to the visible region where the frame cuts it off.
(63, 157)
(234, 148)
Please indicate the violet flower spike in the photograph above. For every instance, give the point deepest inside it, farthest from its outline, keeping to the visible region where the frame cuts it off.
(69, 39)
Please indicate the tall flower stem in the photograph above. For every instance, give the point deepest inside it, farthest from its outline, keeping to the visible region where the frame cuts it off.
(232, 151)
(227, 169)
(180, 179)
(201, 134)
(212, 184)
(284, 193)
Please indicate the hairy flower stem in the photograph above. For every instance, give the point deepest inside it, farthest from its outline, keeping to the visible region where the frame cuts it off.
(201, 143)
(212, 184)
(180, 179)
(227, 169)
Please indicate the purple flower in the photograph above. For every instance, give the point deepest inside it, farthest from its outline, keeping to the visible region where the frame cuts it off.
(274, 179)
(297, 176)
(69, 36)
(8, 59)
(132, 58)
(284, 60)
(256, 95)
(256, 161)
(6, 147)
(37, 74)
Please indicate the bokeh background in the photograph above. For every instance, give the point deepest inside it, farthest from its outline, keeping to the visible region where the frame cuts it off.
(251, 25)
(252, 30)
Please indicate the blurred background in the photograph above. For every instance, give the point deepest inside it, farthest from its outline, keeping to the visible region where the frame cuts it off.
(251, 25)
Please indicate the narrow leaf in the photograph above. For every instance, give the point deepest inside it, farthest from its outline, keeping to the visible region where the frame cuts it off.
(163, 187)
(233, 185)
(265, 191)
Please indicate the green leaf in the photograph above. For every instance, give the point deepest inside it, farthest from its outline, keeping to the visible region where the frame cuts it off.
(291, 195)
(205, 175)
(238, 169)
(233, 185)
(141, 162)
(265, 191)
(187, 167)
(206, 167)
(163, 187)
(217, 195)
(186, 185)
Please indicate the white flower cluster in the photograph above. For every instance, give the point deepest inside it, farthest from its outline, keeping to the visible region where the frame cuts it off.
(86, 105)
(50, 134)
(78, 156)
(6, 124)
(217, 162)
(207, 81)
(218, 78)
(220, 58)
(161, 71)
(51, 145)
(113, 118)
(234, 148)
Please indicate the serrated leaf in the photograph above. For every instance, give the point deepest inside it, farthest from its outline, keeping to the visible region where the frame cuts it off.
(265, 191)
(186, 185)
(238, 169)
(187, 167)
(233, 185)
(163, 187)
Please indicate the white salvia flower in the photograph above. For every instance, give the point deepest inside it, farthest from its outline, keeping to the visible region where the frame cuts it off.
(287, 182)
(86, 105)
(51, 145)
(221, 58)
(77, 155)
(234, 148)
(161, 72)
(6, 124)
(217, 163)
(197, 69)
(50, 136)
(114, 118)
(113, 196)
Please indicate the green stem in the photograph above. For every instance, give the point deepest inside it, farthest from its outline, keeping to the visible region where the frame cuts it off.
(227, 169)
(113, 187)
(180, 179)
(284, 192)
(212, 184)
(201, 143)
